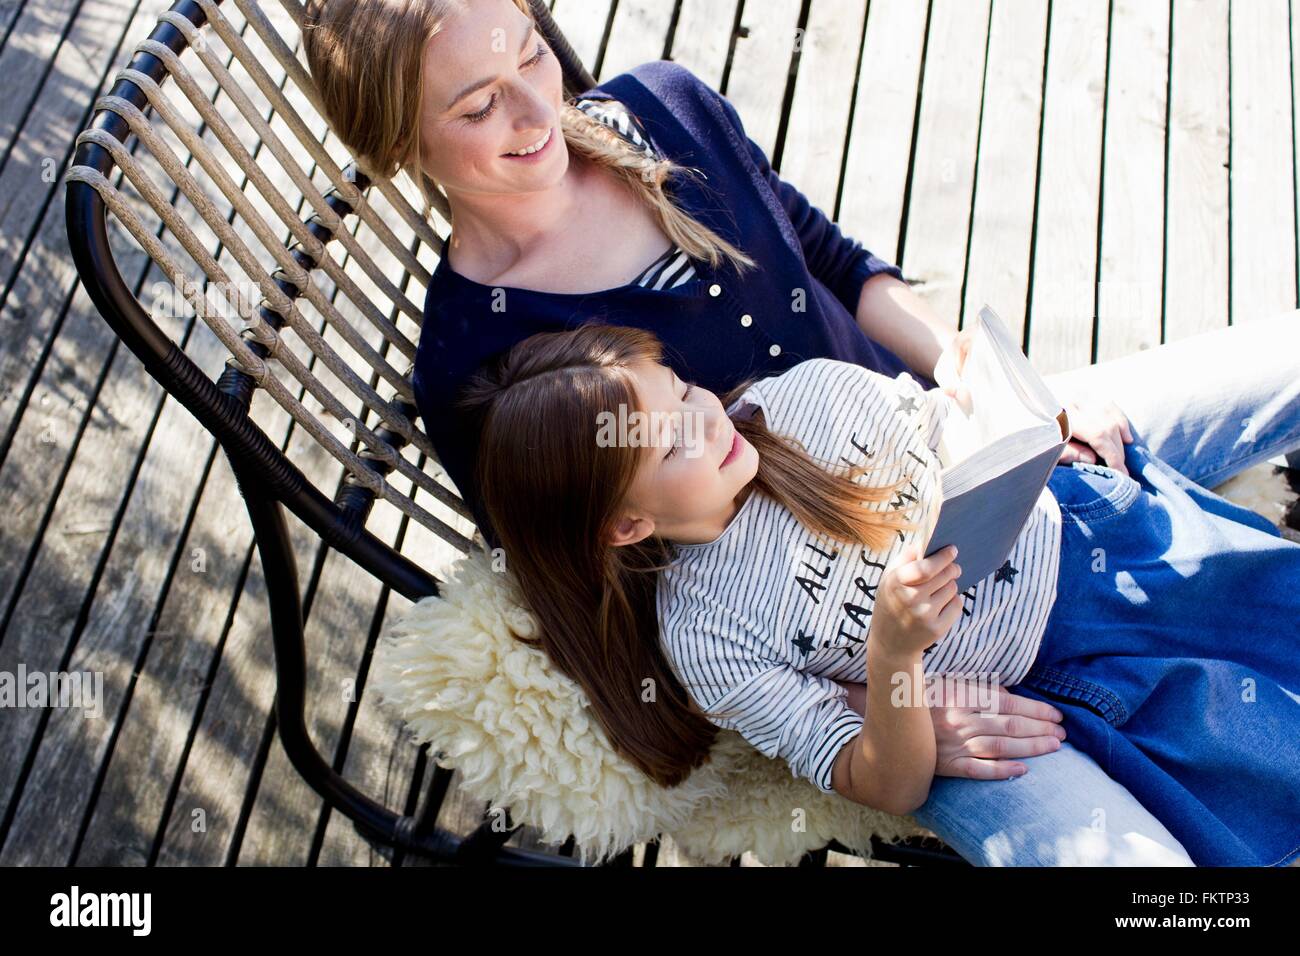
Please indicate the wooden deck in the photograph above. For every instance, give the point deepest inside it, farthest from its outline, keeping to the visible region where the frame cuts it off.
(1123, 172)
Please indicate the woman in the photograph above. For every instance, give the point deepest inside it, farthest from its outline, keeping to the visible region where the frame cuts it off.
(559, 219)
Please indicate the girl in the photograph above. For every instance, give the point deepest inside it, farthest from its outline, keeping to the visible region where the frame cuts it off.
(718, 562)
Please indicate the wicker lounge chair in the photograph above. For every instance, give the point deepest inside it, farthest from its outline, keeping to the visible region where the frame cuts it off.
(335, 355)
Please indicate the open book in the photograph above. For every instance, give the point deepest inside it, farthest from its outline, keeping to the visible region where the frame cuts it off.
(996, 455)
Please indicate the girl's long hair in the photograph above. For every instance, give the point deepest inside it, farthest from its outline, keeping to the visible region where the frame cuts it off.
(553, 493)
(366, 58)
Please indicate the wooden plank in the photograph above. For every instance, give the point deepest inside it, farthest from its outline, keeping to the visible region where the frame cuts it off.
(1129, 300)
(760, 68)
(819, 113)
(1262, 181)
(286, 809)
(670, 854)
(943, 172)
(1063, 286)
(703, 38)
(83, 348)
(31, 201)
(38, 297)
(639, 35)
(226, 755)
(884, 115)
(9, 12)
(379, 762)
(203, 827)
(997, 270)
(1196, 228)
(38, 34)
(150, 750)
(851, 859)
(583, 23)
(44, 622)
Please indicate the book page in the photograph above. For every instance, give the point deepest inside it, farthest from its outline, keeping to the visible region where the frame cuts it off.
(996, 408)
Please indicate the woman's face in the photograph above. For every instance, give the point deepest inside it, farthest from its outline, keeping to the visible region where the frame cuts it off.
(492, 88)
(690, 472)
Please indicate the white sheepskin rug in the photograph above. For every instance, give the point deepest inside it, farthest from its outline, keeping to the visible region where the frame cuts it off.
(519, 732)
(521, 736)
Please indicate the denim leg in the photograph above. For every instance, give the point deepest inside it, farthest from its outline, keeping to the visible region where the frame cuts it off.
(1064, 811)
(1211, 405)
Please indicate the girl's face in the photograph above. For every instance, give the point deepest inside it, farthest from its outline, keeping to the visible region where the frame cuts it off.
(695, 466)
(492, 88)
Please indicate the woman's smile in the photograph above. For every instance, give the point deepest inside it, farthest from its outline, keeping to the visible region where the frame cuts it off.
(535, 150)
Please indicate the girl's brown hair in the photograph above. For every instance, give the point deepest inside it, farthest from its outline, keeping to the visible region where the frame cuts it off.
(366, 58)
(553, 493)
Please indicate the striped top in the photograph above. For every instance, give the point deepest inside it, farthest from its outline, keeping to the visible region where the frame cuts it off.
(674, 267)
(763, 619)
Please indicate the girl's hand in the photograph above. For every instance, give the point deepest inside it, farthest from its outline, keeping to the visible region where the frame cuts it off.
(1105, 430)
(919, 600)
(981, 741)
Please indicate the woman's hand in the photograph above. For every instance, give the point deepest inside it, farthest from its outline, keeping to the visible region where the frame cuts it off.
(981, 741)
(1105, 430)
(974, 742)
(960, 348)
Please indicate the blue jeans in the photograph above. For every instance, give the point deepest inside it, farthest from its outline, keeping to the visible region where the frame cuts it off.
(1209, 406)
(1173, 650)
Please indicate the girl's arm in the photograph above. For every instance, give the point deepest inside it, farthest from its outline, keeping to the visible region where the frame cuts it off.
(890, 313)
(891, 762)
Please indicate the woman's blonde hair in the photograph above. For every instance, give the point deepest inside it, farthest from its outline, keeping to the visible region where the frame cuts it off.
(366, 58)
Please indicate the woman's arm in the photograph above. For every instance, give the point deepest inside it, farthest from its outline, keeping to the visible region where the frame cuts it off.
(884, 306)
(890, 313)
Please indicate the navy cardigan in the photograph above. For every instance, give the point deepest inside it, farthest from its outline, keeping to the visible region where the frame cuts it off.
(719, 328)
